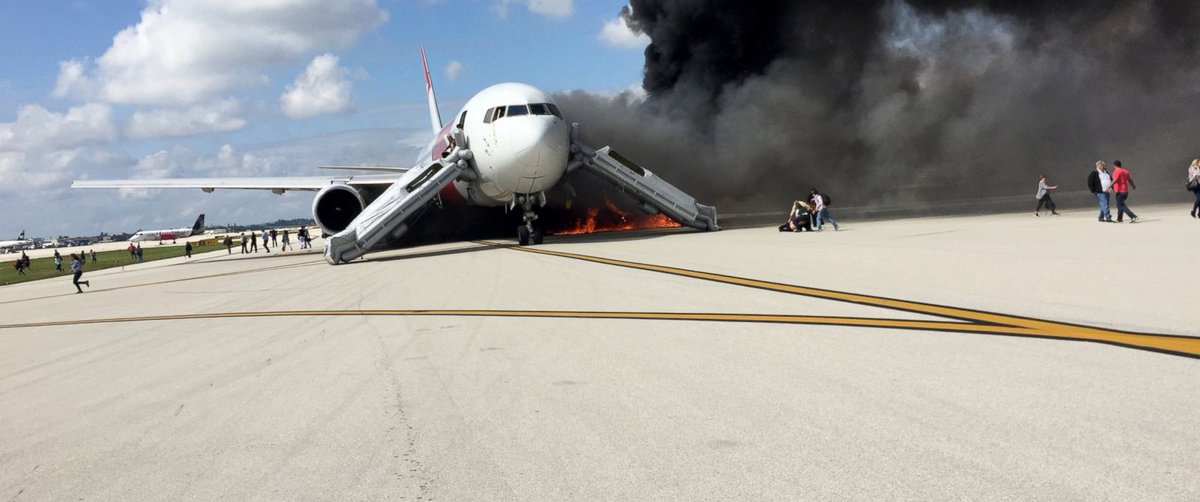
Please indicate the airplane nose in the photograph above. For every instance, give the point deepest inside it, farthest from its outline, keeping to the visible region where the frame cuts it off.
(536, 143)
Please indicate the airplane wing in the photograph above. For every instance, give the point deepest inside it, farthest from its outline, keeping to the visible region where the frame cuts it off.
(274, 184)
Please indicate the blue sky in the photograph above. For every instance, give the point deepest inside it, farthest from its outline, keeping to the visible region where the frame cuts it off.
(174, 88)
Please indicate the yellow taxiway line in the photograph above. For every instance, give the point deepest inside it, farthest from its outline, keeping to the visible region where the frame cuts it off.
(960, 320)
(976, 320)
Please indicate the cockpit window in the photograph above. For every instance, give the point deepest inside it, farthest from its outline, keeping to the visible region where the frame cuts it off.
(499, 112)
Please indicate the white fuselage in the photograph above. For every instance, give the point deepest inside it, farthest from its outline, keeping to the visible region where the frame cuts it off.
(17, 245)
(161, 235)
(520, 142)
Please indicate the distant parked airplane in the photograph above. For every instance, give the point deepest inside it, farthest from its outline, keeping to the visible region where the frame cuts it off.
(17, 245)
(171, 234)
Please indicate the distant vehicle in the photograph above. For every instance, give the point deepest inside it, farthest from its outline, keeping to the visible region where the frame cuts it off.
(170, 234)
(16, 245)
(508, 146)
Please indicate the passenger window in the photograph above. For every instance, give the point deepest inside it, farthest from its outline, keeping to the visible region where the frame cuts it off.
(516, 110)
(538, 109)
(554, 110)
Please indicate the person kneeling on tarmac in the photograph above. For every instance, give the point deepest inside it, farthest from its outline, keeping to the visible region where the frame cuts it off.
(799, 218)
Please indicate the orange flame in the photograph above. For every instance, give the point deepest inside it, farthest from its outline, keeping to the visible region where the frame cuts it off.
(611, 218)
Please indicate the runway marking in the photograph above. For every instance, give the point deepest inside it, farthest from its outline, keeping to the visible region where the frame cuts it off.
(964, 320)
(560, 314)
(977, 320)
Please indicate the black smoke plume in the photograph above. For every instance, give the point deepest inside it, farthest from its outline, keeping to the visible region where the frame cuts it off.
(751, 103)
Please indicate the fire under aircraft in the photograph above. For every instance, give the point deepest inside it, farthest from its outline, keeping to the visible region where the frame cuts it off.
(508, 146)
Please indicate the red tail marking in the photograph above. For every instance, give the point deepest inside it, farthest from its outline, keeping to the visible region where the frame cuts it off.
(425, 65)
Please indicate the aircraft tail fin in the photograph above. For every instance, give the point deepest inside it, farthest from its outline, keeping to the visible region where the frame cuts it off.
(198, 228)
(435, 116)
(22, 236)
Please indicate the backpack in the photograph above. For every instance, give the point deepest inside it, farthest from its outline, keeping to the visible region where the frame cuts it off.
(828, 201)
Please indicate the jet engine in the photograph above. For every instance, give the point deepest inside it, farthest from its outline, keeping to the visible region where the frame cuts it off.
(335, 206)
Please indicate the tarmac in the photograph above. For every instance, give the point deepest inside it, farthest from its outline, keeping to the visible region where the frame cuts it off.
(980, 357)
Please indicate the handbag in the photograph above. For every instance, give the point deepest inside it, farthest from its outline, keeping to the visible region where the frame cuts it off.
(1193, 184)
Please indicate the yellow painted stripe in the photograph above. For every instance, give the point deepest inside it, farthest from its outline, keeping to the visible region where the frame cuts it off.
(673, 316)
(990, 322)
(1183, 346)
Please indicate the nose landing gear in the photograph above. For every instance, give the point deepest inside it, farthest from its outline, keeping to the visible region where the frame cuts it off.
(528, 233)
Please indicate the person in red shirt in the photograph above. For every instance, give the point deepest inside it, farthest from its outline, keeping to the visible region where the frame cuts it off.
(1122, 183)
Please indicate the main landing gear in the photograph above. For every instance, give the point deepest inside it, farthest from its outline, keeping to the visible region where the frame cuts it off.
(528, 233)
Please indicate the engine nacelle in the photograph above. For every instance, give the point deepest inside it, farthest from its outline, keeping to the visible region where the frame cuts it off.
(335, 206)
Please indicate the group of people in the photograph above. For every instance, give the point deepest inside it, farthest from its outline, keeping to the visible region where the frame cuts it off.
(22, 264)
(810, 215)
(1114, 187)
(269, 238)
(135, 252)
(1119, 183)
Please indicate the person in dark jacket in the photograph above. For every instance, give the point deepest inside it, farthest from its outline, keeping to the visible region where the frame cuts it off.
(1099, 183)
(187, 249)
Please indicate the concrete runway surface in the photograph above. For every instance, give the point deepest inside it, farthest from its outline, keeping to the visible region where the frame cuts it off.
(992, 357)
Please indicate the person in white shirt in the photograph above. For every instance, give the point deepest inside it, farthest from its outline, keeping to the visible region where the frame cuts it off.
(1194, 186)
(77, 268)
(821, 209)
(1099, 182)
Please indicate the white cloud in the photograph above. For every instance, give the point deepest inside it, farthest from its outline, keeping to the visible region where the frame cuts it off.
(617, 33)
(40, 130)
(322, 88)
(550, 8)
(454, 70)
(189, 51)
(220, 116)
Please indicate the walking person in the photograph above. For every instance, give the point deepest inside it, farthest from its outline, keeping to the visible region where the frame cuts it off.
(286, 240)
(274, 238)
(265, 241)
(187, 249)
(19, 264)
(228, 244)
(93, 255)
(1043, 197)
(1122, 183)
(253, 241)
(139, 252)
(242, 238)
(1193, 184)
(821, 206)
(57, 261)
(302, 236)
(1099, 182)
(77, 268)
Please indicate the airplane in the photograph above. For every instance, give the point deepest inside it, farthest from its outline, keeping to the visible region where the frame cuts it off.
(169, 234)
(507, 146)
(16, 245)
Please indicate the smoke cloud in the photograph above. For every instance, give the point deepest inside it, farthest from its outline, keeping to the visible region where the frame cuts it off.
(881, 102)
